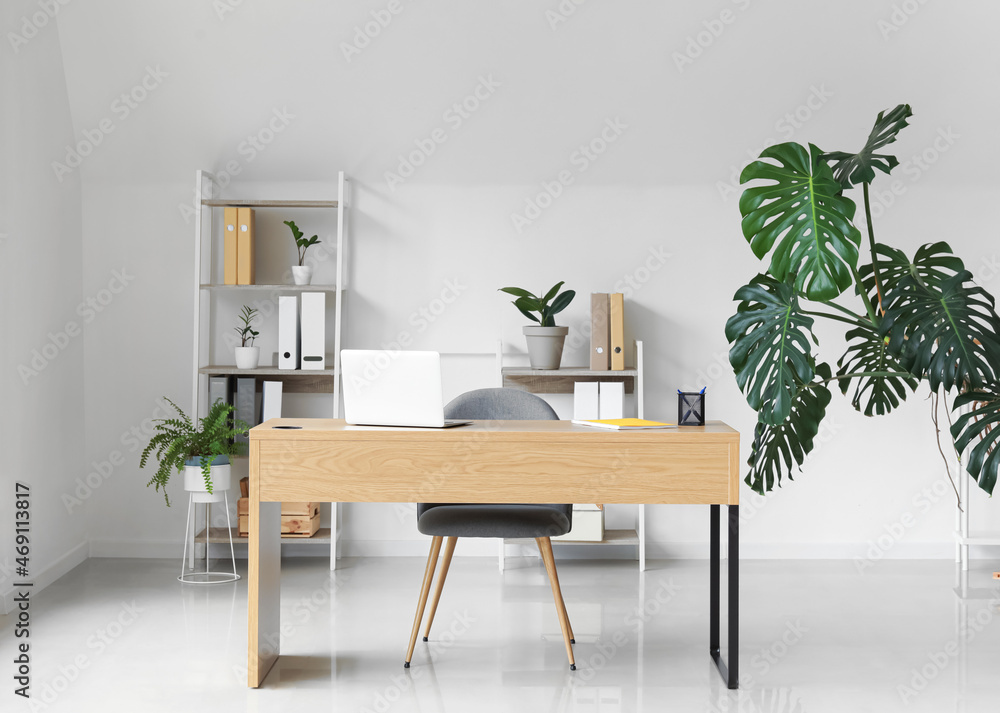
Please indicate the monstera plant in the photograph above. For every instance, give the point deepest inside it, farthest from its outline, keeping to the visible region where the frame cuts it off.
(910, 319)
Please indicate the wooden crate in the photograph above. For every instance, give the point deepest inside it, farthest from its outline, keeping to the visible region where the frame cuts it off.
(297, 519)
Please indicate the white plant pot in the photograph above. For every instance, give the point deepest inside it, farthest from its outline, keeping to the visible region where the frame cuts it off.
(545, 346)
(247, 357)
(302, 275)
(194, 481)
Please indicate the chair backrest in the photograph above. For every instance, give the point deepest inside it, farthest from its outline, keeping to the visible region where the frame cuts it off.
(500, 404)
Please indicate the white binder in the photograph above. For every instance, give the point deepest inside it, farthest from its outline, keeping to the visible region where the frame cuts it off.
(313, 330)
(288, 332)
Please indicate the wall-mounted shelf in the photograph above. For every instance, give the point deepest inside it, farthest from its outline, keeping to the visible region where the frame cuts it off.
(561, 380)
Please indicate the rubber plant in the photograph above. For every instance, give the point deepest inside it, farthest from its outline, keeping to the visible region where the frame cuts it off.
(910, 319)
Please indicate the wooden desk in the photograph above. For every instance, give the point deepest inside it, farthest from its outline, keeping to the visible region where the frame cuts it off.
(486, 462)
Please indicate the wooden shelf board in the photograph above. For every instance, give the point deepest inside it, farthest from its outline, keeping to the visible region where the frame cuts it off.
(560, 381)
(611, 537)
(219, 537)
(292, 381)
(271, 288)
(222, 370)
(255, 203)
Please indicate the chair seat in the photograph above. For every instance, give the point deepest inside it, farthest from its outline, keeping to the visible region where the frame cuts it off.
(495, 520)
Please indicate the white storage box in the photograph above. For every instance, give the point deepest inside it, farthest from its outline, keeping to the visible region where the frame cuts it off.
(588, 524)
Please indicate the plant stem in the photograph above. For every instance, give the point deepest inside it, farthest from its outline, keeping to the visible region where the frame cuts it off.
(871, 245)
(855, 322)
(843, 309)
(864, 297)
(935, 400)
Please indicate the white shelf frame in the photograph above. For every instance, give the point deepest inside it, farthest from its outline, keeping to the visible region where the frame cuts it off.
(208, 191)
(636, 372)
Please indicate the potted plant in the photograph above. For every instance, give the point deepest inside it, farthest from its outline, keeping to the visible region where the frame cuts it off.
(247, 355)
(200, 450)
(302, 274)
(919, 318)
(545, 340)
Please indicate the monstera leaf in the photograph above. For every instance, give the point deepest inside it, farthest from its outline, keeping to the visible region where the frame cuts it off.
(805, 213)
(982, 424)
(770, 350)
(851, 169)
(778, 449)
(933, 264)
(945, 332)
(868, 352)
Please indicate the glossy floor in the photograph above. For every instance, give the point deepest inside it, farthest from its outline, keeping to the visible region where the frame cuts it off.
(123, 635)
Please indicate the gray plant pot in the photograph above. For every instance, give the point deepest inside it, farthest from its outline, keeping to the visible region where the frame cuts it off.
(545, 346)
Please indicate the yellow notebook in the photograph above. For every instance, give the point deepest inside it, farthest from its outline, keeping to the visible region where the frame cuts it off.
(625, 424)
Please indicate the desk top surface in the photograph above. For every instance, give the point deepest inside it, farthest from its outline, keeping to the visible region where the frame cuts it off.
(312, 429)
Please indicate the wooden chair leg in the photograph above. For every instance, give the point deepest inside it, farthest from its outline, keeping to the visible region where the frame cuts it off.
(432, 557)
(449, 550)
(545, 547)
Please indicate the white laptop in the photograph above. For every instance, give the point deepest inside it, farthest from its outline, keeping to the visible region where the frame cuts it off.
(397, 388)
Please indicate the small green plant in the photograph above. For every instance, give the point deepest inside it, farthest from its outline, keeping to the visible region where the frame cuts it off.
(301, 243)
(245, 330)
(547, 307)
(178, 440)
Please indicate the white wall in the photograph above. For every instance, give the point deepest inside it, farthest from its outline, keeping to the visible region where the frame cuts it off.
(684, 131)
(42, 413)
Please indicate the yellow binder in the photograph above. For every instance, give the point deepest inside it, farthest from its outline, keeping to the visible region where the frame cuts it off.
(617, 332)
(229, 222)
(245, 247)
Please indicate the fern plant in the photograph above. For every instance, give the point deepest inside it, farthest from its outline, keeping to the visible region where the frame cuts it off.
(179, 440)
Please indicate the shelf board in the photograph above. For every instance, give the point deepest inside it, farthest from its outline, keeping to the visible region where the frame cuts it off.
(219, 537)
(560, 381)
(984, 539)
(270, 288)
(254, 203)
(611, 537)
(226, 370)
(293, 381)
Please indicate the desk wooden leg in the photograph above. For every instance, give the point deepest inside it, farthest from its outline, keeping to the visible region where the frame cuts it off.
(729, 673)
(264, 606)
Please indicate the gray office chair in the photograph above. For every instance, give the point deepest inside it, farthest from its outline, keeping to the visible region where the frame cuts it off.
(453, 520)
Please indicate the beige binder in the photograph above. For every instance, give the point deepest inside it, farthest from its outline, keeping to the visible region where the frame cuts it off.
(229, 222)
(600, 335)
(245, 247)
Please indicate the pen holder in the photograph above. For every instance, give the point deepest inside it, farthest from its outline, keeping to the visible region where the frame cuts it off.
(690, 408)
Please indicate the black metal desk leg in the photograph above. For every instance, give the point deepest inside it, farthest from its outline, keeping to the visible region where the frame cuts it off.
(730, 673)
